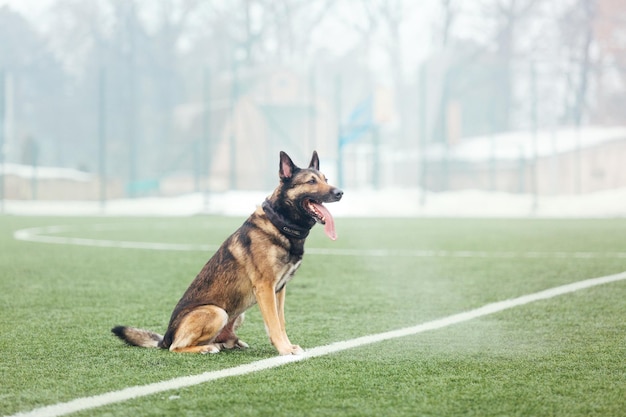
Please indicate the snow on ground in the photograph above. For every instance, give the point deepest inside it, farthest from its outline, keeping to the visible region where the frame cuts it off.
(356, 203)
(45, 172)
(514, 145)
(370, 203)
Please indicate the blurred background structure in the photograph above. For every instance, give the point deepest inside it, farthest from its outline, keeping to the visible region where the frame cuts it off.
(108, 99)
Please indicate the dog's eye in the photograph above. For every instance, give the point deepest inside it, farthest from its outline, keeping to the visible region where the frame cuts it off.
(312, 181)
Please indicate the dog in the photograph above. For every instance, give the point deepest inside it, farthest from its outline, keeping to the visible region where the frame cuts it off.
(252, 266)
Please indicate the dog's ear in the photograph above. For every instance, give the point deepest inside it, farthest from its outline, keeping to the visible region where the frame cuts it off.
(286, 167)
(315, 161)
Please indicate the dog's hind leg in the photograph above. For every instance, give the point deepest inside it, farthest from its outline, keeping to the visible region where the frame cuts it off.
(227, 337)
(197, 331)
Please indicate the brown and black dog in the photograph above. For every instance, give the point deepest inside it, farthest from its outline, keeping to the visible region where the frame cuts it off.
(252, 266)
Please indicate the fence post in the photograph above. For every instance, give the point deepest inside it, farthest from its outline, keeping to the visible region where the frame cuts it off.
(33, 155)
(376, 162)
(312, 111)
(133, 140)
(339, 131)
(423, 131)
(522, 170)
(492, 162)
(206, 136)
(2, 132)
(232, 142)
(534, 124)
(102, 136)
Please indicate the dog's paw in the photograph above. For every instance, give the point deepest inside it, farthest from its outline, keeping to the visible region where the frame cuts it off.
(241, 344)
(235, 344)
(211, 348)
(291, 350)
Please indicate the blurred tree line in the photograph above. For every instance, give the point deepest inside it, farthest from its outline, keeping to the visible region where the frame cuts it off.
(572, 50)
(480, 59)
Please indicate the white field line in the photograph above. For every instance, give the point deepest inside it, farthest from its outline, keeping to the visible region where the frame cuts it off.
(42, 235)
(86, 403)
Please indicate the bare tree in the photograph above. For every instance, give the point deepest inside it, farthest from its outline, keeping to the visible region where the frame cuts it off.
(609, 32)
(508, 15)
(450, 11)
(577, 22)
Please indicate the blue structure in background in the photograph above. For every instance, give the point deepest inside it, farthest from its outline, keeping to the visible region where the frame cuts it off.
(360, 123)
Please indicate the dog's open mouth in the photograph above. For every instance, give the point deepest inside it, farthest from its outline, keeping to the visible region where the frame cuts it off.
(321, 215)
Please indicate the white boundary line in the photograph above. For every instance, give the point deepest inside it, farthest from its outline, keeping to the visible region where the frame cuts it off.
(86, 403)
(41, 235)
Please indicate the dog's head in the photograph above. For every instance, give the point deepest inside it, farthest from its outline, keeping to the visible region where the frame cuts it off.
(304, 190)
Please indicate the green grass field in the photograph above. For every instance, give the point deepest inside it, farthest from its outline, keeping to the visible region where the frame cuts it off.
(565, 356)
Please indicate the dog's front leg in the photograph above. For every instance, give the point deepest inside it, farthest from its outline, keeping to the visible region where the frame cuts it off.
(280, 304)
(267, 299)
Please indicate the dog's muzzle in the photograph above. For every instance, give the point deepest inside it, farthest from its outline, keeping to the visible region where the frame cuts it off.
(336, 194)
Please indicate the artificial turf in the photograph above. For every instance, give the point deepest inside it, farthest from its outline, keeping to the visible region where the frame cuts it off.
(563, 356)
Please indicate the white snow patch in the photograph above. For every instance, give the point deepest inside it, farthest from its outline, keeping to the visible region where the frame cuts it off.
(513, 145)
(44, 172)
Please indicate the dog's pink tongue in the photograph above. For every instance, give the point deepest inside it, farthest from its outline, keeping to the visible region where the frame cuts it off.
(329, 222)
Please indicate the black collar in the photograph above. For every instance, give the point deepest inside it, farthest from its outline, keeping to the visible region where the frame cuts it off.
(283, 225)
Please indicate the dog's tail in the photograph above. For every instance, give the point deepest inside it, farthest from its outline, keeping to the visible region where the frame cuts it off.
(138, 337)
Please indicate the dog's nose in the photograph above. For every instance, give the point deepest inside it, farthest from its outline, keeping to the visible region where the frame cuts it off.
(337, 193)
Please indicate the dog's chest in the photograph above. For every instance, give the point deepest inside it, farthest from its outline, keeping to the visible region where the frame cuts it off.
(287, 274)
